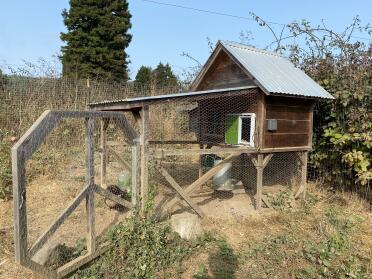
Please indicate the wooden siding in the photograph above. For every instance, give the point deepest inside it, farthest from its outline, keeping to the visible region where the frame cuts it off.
(224, 73)
(294, 118)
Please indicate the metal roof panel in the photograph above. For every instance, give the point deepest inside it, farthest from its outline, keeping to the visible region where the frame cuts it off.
(275, 73)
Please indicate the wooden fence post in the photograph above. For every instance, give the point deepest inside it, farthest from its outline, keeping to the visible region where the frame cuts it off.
(19, 205)
(90, 207)
(144, 156)
(103, 147)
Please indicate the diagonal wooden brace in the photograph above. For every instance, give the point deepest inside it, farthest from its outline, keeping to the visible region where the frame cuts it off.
(203, 179)
(180, 191)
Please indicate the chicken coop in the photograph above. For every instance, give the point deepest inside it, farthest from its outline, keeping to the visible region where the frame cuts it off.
(244, 129)
(245, 125)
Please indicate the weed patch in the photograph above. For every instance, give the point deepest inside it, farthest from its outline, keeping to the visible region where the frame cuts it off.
(141, 248)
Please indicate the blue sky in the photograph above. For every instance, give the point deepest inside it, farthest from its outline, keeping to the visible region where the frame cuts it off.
(30, 30)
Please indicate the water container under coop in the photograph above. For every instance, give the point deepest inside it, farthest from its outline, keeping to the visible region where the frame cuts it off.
(223, 180)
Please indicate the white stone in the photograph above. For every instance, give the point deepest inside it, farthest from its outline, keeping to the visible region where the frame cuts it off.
(187, 225)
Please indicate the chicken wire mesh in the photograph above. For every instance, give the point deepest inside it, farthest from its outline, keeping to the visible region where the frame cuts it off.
(184, 135)
(56, 174)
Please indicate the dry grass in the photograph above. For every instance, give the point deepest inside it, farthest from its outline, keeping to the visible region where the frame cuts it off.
(270, 244)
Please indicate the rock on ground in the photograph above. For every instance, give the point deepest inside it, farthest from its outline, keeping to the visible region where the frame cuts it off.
(187, 225)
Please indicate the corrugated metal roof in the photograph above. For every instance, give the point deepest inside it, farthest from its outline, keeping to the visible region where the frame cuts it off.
(274, 73)
(172, 96)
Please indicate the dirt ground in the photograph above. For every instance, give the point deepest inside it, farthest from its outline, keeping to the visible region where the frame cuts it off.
(46, 199)
(228, 214)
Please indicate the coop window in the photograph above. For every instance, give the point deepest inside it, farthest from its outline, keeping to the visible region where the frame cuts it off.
(240, 128)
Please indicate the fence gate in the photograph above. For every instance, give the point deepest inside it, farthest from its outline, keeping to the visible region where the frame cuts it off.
(22, 152)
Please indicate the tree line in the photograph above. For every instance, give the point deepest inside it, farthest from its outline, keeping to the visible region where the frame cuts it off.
(96, 40)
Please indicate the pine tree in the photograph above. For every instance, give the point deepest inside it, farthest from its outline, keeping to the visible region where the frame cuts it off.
(143, 76)
(164, 76)
(96, 38)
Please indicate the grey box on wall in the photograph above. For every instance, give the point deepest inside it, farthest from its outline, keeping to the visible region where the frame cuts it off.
(272, 125)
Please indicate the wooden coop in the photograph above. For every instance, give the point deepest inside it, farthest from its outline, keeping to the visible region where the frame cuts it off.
(248, 118)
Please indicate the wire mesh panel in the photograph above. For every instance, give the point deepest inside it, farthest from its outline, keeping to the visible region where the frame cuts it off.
(283, 170)
(205, 119)
(64, 152)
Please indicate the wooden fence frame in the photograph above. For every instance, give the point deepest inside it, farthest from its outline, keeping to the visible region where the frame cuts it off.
(23, 150)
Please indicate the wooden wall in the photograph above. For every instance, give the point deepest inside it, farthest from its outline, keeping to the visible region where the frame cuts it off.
(294, 117)
(224, 73)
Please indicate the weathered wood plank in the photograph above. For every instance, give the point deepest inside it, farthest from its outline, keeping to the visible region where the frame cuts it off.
(276, 140)
(180, 191)
(122, 162)
(19, 204)
(111, 196)
(103, 147)
(303, 156)
(200, 181)
(35, 135)
(61, 218)
(161, 152)
(80, 261)
(144, 155)
(136, 173)
(89, 179)
(267, 159)
(260, 169)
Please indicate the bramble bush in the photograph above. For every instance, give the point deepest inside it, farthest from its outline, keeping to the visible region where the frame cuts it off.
(340, 62)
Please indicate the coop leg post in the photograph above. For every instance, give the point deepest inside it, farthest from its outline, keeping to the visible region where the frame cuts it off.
(144, 156)
(303, 158)
(90, 207)
(103, 153)
(259, 168)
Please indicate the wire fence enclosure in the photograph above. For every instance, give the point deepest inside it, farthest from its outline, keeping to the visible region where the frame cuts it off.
(24, 99)
(186, 168)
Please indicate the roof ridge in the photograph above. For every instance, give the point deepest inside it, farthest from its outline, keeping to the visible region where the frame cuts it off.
(244, 46)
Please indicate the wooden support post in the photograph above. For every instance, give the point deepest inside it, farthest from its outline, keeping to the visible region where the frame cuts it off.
(90, 207)
(144, 155)
(136, 173)
(303, 156)
(19, 205)
(260, 169)
(201, 146)
(260, 163)
(104, 123)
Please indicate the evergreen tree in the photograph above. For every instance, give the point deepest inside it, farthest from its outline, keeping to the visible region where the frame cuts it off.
(164, 76)
(143, 76)
(96, 38)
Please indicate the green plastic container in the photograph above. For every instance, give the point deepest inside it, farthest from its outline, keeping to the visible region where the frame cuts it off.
(124, 181)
